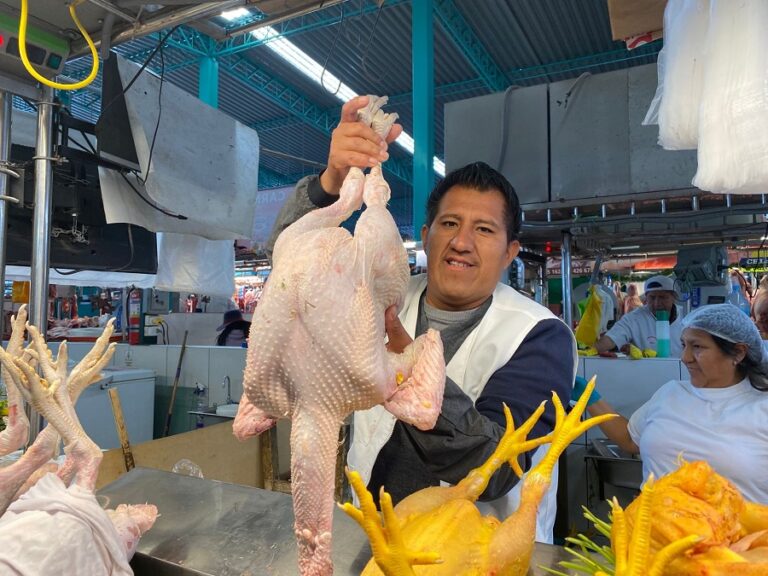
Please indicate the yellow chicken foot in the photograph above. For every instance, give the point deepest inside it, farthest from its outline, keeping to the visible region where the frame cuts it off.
(567, 429)
(632, 556)
(384, 532)
(512, 444)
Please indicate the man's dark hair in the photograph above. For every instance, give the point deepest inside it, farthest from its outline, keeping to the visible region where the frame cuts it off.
(481, 177)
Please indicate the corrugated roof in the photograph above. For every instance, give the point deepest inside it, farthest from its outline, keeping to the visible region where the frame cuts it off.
(529, 41)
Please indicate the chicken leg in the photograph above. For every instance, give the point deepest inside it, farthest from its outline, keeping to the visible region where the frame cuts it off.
(17, 430)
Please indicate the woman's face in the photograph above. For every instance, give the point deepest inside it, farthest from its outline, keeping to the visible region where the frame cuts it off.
(707, 364)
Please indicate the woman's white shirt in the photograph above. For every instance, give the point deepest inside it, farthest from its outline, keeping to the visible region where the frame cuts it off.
(727, 427)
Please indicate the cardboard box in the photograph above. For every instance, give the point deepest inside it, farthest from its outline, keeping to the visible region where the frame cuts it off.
(634, 17)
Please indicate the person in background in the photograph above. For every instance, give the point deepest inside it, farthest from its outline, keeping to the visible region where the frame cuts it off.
(234, 329)
(632, 299)
(760, 308)
(639, 326)
(619, 298)
(500, 346)
(720, 415)
(760, 313)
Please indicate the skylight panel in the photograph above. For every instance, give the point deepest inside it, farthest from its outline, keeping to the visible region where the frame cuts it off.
(313, 70)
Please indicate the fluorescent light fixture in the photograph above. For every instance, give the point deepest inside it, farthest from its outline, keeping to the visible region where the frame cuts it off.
(305, 64)
(235, 14)
(633, 247)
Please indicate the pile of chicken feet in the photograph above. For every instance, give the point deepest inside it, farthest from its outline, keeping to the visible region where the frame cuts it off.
(50, 521)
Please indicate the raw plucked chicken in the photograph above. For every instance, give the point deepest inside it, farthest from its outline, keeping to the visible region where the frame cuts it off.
(50, 522)
(439, 530)
(319, 353)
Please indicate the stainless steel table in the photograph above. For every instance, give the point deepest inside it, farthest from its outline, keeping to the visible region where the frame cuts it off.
(212, 528)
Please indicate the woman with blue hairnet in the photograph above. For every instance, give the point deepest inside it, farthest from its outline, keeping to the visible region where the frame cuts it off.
(720, 415)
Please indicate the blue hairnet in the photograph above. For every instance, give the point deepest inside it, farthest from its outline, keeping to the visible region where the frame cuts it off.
(728, 322)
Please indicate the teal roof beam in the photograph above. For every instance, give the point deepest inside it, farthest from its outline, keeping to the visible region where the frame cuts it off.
(188, 40)
(423, 82)
(276, 124)
(320, 19)
(270, 179)
(472, 48)
(269, 87)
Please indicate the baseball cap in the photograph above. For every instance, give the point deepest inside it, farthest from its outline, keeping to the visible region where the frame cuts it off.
(230, 316)
(656, 283)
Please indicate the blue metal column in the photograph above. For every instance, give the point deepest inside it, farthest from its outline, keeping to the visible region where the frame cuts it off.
(423, 108)
(208, 81)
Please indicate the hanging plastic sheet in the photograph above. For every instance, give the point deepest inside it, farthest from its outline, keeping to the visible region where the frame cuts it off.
(733, 116)
(187, 263)
(196, 161)
(675, 107)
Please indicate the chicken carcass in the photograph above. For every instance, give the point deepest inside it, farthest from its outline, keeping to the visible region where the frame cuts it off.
(439, 530)
(56, 526)
(317, 350)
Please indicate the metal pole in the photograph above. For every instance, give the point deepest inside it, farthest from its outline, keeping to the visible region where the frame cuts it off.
(41, 228)
(565, 274)
(282, 17)
(6, 108)
(150, 25)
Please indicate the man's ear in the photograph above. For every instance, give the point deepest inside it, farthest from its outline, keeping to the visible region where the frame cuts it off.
(513, 249)
(424, 235)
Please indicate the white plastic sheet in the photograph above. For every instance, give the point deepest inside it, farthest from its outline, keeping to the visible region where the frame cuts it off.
(53, 529)
(188, 263)
(733, 116)
(101, 278)
(675, 106)
(204, 164)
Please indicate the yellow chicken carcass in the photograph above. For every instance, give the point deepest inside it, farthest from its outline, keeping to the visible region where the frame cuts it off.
(692, 522)
(441, 527)
(693, 500)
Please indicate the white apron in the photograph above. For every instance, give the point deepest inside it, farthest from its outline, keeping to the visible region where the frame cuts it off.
(488, 347)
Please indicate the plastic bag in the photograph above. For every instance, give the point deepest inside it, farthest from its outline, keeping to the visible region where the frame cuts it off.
(588, 330)
(187, 468)
(675, 107)
(733, 122)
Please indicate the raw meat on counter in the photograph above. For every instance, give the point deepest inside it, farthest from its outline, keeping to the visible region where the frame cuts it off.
(56, 526)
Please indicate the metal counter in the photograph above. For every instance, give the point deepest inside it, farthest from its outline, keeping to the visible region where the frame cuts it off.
(212, 528)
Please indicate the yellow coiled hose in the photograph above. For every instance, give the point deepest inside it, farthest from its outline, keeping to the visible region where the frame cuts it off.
(28, 65)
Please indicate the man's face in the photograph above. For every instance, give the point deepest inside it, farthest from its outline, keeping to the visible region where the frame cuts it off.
(467, 248)
(660, 300)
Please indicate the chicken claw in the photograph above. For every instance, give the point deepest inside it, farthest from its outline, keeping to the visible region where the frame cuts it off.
(384, 532)
(632, 557)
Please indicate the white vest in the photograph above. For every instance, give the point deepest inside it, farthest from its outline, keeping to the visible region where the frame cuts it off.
(487, 348)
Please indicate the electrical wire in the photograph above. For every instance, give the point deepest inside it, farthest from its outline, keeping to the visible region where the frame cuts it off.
(159, 113)
(141, 68)
(23, 18)
(130, 243)
(364, 59)
(328, 56)
(158, 208)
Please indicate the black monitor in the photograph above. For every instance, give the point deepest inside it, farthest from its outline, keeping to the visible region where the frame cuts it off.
(113, 129)
(76, 199)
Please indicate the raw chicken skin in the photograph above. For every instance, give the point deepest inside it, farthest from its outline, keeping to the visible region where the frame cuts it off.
(317, 349)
